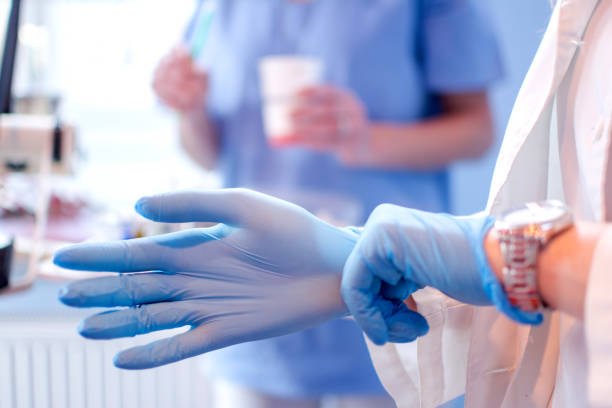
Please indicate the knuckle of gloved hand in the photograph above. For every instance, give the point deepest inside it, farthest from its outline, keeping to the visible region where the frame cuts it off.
(180, 351)
(128, 256)
(128, 289)
(368, 249)
(240, 196)
(347, 291)
(383, 215)
(240, 193)
(145, 320)
(172, 287)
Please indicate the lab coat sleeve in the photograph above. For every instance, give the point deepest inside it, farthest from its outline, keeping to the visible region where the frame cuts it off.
(598, 309)
(459, 49)
(432, 370)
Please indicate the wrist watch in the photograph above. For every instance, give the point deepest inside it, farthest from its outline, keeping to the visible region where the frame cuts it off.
(523, 232)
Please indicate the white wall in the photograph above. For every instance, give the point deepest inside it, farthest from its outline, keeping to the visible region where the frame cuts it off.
(97, 53)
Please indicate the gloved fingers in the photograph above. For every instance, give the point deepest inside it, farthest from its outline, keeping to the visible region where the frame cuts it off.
(400, 291)
(402, 324)
(359, 290)
(405, 326)
(137, 320)
(228, 206)
(377, 250)
(124, 290)
(135, 255)
(189, 344)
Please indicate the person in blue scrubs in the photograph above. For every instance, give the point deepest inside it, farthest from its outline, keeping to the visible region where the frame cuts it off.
(404, 95)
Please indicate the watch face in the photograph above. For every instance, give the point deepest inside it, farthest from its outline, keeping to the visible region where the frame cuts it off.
(535, 213)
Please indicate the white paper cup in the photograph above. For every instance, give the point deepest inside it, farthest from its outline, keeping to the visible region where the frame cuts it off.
(281, 78)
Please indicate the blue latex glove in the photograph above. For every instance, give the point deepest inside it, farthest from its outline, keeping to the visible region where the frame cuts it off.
(402, 250)
(270, 268)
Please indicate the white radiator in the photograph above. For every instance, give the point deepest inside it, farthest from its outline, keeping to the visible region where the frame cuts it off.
(49, 366)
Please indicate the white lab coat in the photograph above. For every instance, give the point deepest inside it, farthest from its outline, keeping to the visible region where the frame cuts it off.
(563, 362)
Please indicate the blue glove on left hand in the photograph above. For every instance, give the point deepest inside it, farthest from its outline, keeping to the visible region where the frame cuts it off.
(271, 268)
(402, 250)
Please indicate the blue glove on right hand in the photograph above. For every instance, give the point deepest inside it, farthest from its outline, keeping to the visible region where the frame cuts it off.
(402, 250)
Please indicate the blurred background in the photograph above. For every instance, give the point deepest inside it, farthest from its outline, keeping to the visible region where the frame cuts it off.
(89, 64)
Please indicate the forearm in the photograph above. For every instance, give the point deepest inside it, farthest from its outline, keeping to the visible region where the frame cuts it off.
(563, 266)
(199, 138)
(461, 132)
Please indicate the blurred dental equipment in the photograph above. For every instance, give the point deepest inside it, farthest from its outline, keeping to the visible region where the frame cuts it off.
(33, 145)
(28, 142)
(6, 254)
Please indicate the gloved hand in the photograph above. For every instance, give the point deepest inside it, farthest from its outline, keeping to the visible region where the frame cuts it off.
(402, 250)
(270, 268)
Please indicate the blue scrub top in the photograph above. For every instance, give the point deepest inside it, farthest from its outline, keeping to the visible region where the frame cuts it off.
(395, 55)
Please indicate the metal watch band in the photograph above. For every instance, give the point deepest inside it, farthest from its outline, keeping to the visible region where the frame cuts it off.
(519, 272)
